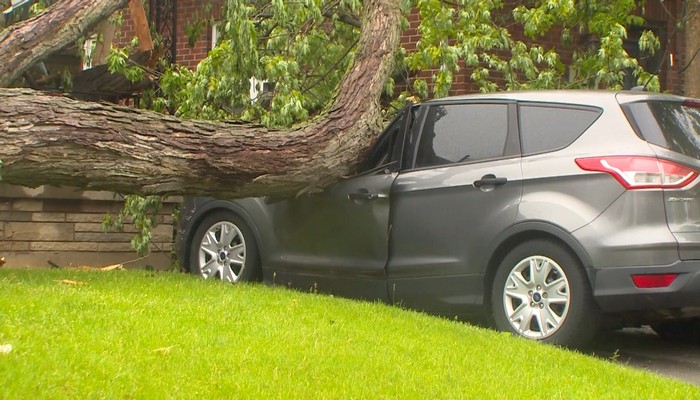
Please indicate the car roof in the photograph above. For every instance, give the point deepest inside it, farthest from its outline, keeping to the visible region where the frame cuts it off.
(591, 97)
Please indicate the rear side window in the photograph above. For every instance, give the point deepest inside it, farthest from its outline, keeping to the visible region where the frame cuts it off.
(545, 128)
(454, 133)
(673, 125)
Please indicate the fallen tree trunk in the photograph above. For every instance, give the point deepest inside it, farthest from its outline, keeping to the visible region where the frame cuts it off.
(47, 139)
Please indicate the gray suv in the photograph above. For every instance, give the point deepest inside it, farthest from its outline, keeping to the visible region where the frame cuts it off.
(550, 212)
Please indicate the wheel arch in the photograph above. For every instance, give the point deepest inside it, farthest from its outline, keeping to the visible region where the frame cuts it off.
(524, 232)
(208, 208)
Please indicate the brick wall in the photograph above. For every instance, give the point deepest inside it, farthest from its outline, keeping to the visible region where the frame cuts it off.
(187, 10)
(62, 226)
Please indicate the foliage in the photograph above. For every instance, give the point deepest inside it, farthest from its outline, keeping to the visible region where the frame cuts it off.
(136, 334)
(118, 63)
(142, 213)
(479, 35)
(301, 48)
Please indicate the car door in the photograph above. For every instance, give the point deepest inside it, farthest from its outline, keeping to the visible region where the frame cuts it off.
(461, 189)
(336, 240)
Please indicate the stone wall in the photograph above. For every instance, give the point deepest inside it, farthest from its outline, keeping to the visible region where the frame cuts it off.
(50, 226)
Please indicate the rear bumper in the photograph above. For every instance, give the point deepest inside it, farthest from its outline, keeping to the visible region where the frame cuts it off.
(615, 292)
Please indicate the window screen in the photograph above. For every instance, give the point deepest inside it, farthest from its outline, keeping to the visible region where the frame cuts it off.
(546, 128)
(456, 133)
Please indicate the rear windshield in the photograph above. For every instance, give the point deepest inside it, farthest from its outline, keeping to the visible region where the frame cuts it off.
(674, 125)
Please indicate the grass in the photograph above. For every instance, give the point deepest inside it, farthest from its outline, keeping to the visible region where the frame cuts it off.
(137, 334)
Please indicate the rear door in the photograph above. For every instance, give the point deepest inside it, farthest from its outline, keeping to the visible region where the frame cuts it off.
(461, 188)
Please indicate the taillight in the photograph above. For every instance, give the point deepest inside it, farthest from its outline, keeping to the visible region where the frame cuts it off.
(639, 172)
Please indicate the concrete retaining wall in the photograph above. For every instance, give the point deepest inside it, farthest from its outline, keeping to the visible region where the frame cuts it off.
(62, 226)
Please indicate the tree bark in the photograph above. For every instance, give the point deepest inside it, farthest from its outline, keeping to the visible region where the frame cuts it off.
(692, 50)
(56, 140)
(25, 43)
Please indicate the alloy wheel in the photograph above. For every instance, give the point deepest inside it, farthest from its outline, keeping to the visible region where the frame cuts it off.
(222, 252)
(536, 297)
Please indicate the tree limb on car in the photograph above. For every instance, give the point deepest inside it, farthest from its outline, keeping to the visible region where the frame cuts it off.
(49, 139)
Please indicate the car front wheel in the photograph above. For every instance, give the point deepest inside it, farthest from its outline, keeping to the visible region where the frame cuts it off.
(541, 292)
(223, 247)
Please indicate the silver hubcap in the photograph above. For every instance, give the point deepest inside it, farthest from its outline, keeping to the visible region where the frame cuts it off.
(222, 252)
(536, 297)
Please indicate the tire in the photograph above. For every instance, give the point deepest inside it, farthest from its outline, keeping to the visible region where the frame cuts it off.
(683, 331)
(553, 304)
(233, 257)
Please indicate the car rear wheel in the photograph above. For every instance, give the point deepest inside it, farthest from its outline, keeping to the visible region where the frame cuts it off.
(541, 292)
(223, 247)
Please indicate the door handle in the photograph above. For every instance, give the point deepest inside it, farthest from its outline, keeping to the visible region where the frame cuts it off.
(366, 196)
(490, 180)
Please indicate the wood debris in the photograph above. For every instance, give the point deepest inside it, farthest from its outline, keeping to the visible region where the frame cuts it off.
(105, 268)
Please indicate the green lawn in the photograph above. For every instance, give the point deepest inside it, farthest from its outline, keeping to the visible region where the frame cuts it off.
(137, 334)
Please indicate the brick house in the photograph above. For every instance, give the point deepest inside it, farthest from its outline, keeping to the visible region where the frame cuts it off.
(61, 226)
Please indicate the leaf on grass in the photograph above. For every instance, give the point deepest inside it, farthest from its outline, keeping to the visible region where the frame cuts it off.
(70, 282)
(2, 261)
(164, 350)
(5, 348)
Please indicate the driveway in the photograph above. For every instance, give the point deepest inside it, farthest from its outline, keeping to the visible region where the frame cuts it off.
(642, 348)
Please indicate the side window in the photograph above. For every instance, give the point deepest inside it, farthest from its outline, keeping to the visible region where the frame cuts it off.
(381, 154)
(454, 133)
(546, 128)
